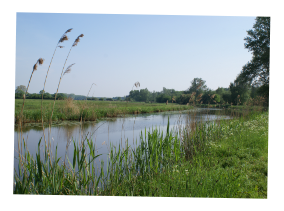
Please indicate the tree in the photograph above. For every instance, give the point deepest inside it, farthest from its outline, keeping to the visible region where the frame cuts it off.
(240, 91)
(71, 96)
(197, 85)
(224, 94)
(47, 95)
(196, 90)
(61, 96)
(256, 71)
(21, 89)
(162, 98)
(144, 95)
(134, 95)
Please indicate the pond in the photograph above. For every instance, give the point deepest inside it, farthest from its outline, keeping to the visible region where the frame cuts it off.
(115, 131)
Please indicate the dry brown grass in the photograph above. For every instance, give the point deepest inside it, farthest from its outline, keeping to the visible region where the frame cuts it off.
(71, 107)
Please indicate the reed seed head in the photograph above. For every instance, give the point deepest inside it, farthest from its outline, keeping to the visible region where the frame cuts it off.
(40, 62)
(136, 85)
(63, 38)
(35, 67)
(68, 70)
(77, 40)
(69, 30)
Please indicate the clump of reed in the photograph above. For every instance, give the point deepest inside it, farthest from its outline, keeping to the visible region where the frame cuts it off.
(50, 175)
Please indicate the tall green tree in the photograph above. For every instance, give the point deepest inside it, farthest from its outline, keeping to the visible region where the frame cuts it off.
(240, 91)
(197, 85)
(256, 71)
(196, 90)
(144, 95)
(224, 94)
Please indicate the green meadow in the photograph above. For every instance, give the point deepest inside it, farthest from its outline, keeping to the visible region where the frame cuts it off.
(87, 110)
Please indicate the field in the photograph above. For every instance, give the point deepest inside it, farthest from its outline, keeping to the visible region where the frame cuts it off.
(87, 110)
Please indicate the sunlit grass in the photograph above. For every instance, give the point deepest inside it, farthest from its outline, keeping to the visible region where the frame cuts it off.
(88, 110)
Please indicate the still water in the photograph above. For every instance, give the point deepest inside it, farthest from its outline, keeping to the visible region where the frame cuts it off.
(115, 131)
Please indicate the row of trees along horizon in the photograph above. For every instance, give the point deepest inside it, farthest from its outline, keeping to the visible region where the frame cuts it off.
(252, 82)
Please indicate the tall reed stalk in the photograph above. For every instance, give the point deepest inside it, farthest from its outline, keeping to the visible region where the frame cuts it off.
(61, 40)
(85, 104)
(40, 62)
(62, 73)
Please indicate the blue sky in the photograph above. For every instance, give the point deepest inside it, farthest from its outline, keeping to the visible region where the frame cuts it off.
(118, 50)
(41, 37)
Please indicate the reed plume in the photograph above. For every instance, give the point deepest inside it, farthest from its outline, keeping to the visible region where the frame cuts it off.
(74, 44)
(39, 62)
(68, 70)
(90, 89)
(137, 84)
(61, 40)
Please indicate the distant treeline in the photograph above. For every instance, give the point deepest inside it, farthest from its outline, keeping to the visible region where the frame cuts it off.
(20, 91)
(198, 93)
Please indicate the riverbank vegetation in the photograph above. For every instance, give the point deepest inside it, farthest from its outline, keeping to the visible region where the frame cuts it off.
(224, 159)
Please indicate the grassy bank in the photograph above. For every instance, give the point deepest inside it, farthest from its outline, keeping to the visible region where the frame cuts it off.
(225, 159)
(88, 110)
(230, 106)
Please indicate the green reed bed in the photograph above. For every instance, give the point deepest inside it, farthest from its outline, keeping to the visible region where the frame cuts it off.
(227, 159)
(87, 110)
(50, 175)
